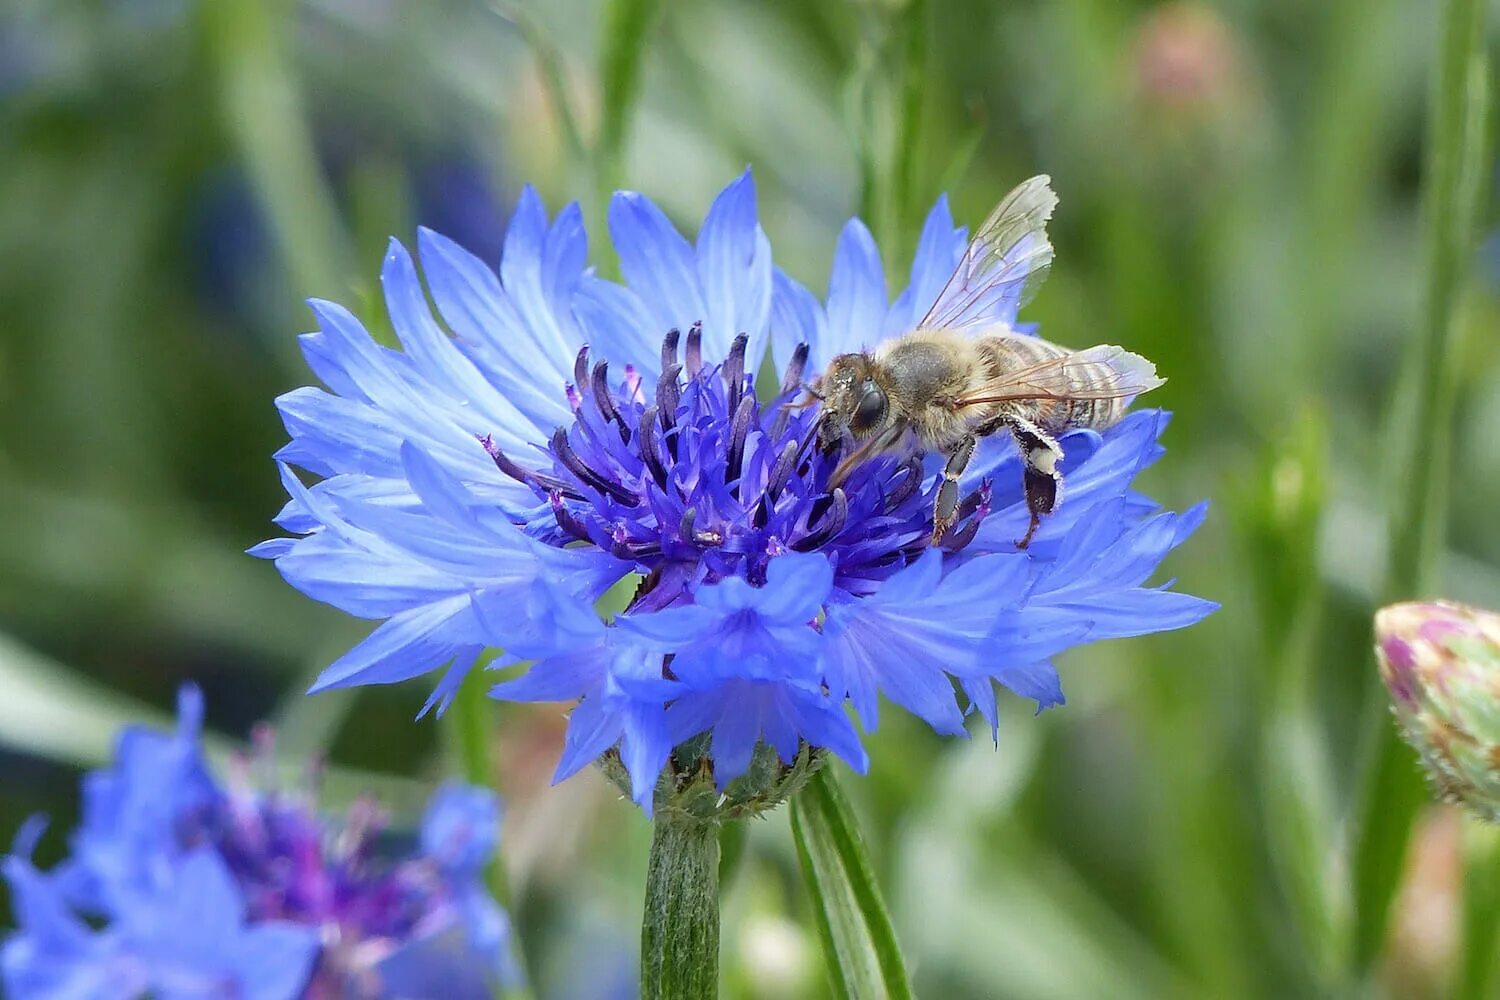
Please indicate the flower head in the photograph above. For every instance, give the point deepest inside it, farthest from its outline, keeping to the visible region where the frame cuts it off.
(485, 484)
(1441, 665)
(180, 887)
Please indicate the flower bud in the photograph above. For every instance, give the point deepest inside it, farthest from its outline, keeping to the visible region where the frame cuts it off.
(1441, 664)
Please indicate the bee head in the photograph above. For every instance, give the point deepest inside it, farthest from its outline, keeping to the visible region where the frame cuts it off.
(852, 399)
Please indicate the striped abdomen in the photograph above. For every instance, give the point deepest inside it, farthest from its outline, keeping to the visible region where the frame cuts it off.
(1010, 353)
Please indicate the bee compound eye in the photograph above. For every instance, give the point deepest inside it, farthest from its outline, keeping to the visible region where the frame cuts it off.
(871, 408)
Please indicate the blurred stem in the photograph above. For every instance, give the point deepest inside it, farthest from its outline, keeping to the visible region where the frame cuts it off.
(553, 75)
(1455, 168)
(1281, 524)
(904, 155)
(264, 115)
(680, 930)
(1481, 913)
(627, 23)
(731, 852)
(469, 733)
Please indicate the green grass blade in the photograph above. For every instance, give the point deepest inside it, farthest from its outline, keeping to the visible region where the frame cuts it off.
(859, 942)
(908, 140)
(263, 113)
(622, 45)
(1481, 913)
(1455, 171)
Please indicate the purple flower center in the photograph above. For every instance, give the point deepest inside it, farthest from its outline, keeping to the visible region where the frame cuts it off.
(292, 864)
(704, 482)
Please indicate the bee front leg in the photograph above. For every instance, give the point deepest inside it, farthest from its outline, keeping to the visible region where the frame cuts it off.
(1041, 481)
(945, 510)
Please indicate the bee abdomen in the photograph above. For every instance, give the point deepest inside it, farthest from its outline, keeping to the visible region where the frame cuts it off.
(1011, 352)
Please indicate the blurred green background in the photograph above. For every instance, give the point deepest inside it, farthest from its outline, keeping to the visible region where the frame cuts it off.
(1239, 185)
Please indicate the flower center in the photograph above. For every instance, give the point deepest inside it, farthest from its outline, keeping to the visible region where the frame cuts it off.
(706, 479)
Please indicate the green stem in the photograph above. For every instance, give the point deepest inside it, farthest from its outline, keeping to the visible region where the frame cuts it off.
(623, 43)
(859, 940)
(469, 733)
(908, 145)
(680, 929)
(1455, 170)
(1481, 913)
(553, 73)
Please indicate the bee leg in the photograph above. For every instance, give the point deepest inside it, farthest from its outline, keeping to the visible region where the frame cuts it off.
(1041, 479)
(945, 510)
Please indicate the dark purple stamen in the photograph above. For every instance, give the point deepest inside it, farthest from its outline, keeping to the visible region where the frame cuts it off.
(650, 447)
(912, 469)
(669, 348)
(581, 367)
(694, 350)
(668, 395)
(539, 481)
(734, 369)
(563, 449)
(833, 517)
(737, 431)
(781, 472)
(791, 383)
(565, 519)
(605, 400)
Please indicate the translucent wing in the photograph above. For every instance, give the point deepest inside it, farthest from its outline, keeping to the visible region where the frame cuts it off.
(1103, 372)
(1004, 263)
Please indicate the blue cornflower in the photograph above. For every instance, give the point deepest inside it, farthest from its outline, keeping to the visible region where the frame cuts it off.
(485, 484)
(179, 887)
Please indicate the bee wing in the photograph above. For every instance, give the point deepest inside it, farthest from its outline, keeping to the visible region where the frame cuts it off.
(1008, 257)
(1102, 372)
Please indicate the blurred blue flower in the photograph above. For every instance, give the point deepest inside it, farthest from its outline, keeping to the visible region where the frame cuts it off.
(486, 483)
(180, 887)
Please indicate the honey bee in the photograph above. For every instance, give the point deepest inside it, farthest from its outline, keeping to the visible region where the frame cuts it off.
(960, 375)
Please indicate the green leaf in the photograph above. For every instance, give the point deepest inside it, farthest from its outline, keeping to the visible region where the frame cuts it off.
(1481, 914)
(859, 942)
(1455, 171)
(263, 111)
(624, 37)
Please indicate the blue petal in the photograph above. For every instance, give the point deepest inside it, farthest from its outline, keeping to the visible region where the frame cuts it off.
(406, 646)
(1037, 681)
(658, 264)
(461, 827)
(644, 750)
(619, 329)
(797, 318)
(560, 678)
(526, 363)
(274, 960)
(441, 365)
(592, 729)
(540, 297)
(981, 692)
(734, 268)
(856, 296)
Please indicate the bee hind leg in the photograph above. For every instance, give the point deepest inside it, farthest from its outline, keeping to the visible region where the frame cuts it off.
(945, 509)
(1041, 480)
